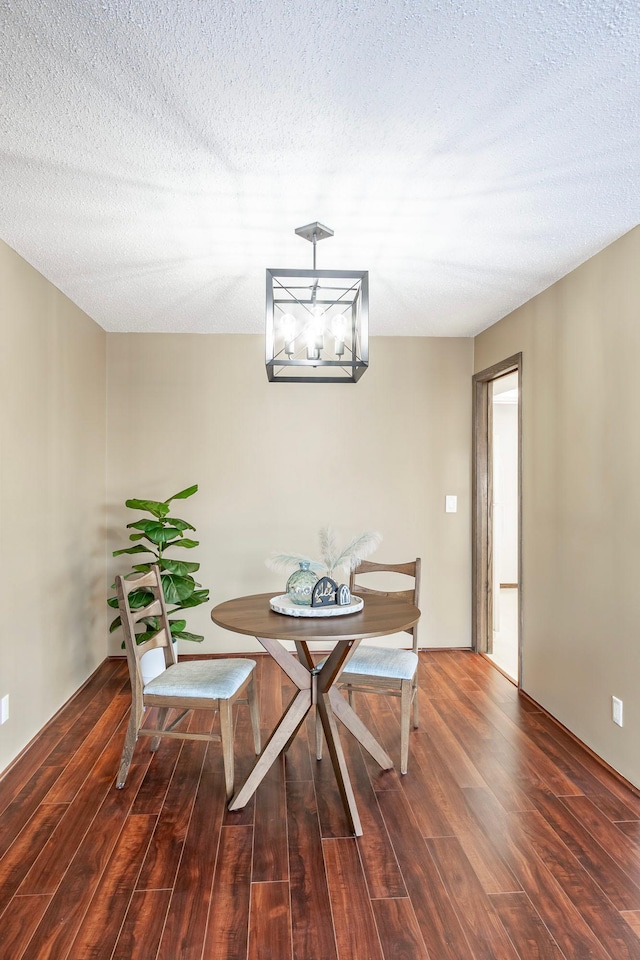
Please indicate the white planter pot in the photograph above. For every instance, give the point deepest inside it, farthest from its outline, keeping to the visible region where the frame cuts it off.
(152, 663)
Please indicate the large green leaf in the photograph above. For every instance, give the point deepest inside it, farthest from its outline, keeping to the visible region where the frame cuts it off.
(181, 567)
(136, 536)
(196, 598)
(139, 598)
(156, 531)
(180, 524)
(184, 493)
(142, 567)
(155, 507)
(115, 624)
(138, 549)
(185, 542)
(177, 626)
(113, 602)
(177, 589)
(141, 637)
(185, 635)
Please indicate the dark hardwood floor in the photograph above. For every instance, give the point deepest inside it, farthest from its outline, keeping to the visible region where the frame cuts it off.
(505, 840)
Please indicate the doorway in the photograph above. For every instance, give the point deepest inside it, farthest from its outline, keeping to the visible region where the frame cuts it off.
(497, 565)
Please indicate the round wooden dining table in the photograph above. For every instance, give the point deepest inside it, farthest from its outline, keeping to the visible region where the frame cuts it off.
(253, 616)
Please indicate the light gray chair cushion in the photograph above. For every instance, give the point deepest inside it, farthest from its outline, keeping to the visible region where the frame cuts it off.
(383, 662)
(216, 679)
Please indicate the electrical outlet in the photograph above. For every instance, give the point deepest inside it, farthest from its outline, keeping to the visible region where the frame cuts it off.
(616, 710)
(4, 709)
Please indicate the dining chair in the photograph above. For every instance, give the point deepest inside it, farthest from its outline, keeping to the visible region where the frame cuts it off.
(212, 684)
(385, 670)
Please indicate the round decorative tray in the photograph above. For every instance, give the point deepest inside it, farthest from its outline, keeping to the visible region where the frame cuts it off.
(283, 604)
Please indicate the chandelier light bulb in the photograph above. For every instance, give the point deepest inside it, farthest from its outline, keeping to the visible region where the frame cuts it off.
(340, 333)
(288, 327)
(311, 338)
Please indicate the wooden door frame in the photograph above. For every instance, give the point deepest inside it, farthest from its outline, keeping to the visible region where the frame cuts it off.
(482, 586)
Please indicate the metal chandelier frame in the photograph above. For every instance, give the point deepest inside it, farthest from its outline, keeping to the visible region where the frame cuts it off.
(317, 321)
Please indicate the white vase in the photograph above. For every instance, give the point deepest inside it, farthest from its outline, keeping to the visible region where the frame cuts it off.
(152, 663)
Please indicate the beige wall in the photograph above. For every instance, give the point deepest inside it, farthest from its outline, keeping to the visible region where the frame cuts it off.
(581, 509)
(52, 495)
(276, 461)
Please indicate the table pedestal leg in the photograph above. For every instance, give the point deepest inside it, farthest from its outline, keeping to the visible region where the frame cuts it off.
(314, 688)
(354, 724)
(338, 762)
(291, 720)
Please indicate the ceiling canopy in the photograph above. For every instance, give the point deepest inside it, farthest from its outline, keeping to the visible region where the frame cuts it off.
(157, 155)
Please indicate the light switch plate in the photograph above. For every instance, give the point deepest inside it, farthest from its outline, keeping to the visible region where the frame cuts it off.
(616, 710)
(451, 504)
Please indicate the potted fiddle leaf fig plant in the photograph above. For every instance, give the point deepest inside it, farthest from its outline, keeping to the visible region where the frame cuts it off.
(155, 536)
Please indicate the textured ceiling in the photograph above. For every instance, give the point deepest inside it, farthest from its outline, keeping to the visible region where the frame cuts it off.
(157, 155)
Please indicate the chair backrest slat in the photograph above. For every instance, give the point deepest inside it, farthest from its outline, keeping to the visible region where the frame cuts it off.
(151, 581)
(410, 569)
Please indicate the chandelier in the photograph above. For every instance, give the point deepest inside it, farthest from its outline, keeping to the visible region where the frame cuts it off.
(317, 321)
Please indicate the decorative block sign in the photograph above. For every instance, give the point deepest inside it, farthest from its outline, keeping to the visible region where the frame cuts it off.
(324, 593)
(344, 595)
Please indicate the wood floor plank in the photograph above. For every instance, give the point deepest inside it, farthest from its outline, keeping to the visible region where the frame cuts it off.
(495, 759)
(622, 848)
(40, 750)
(586, 895)
(378, 859)
(526, 930)
(630, 828)
(82, 760)
(430, 789)
(481, 924)
(153, 790)
(270, 922)
(298, 758)
(228, 928)
(377, 715)
(270, 854)
(59, 925)
(449, 686)
(310, 906)
(460, 765)
(495, 684)
(600, 773)
(490, 868)
(398, 929)
(20, 856)
(50, 866)
(612, 807)
(18, 924)
(165, 850)
(569, 762)
(565, 920)
(333, 820)
(143, 925)
(115, 687)
(356, 932)
(605, 864)
(632, 917)
(536, 764)
(100, 928)
(186, 924)
(21, 809)
(439, 924)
